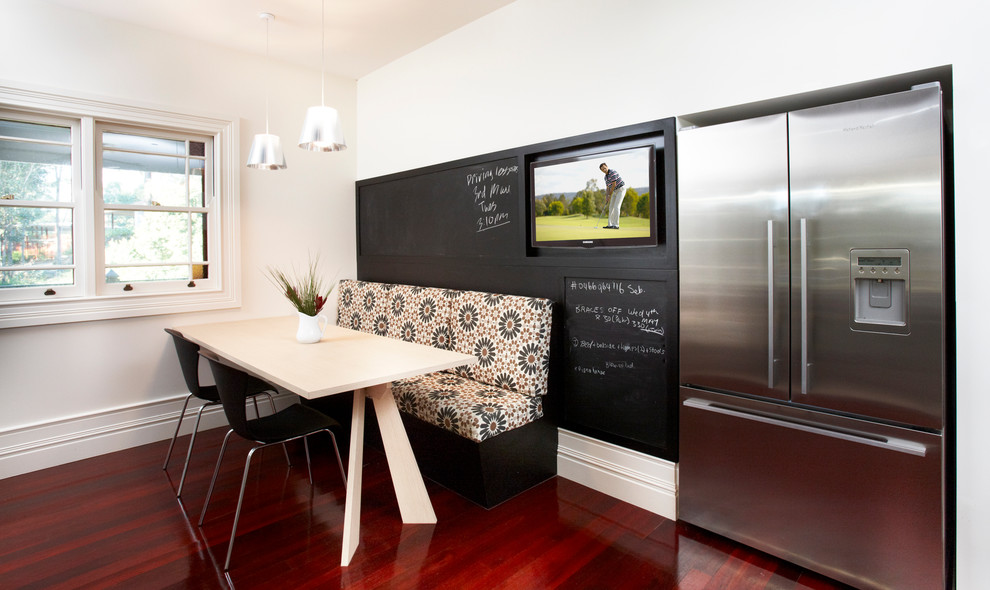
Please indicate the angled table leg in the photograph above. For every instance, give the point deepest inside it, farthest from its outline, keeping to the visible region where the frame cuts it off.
(410, 490)
(352, 502)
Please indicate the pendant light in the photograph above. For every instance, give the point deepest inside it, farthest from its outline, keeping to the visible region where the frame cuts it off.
(266, 149)
(321, 129)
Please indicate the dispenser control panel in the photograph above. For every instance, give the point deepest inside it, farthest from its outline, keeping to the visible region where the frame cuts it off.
(880, 282)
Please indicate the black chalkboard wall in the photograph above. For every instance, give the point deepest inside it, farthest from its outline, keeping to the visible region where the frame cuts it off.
(462, 211)
(465, 225)
(616, 353)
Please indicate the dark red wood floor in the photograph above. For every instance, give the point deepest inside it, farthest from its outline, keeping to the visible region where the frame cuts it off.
(113, 521)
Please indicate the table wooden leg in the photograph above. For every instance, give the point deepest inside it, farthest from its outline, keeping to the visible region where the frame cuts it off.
(410, 490)
(355, 459)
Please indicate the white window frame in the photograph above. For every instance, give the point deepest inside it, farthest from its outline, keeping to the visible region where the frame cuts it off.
(221, 291)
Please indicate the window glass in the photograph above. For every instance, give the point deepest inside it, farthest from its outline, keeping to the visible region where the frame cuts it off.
(197, 182)
(35, 171)
(144, 179)
(36, 278)
(36, 131)
(34, 240)
(138, 143)
(152, 237)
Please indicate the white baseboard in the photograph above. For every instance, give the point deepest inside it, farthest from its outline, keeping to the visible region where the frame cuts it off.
(39, 446)
(637, 478)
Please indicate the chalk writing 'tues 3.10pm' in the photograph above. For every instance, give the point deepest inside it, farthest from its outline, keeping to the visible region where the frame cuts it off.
(490, 185)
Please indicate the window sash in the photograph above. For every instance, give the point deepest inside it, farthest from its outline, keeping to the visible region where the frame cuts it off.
(33, 136)
(154, 152)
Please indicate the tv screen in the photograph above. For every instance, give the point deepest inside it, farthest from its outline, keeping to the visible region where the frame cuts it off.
(595, 199)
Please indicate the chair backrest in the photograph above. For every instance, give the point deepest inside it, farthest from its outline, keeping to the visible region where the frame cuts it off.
(232, 385)
(189, 361)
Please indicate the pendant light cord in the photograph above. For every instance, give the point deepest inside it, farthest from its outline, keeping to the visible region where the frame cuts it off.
(323, 52)
(268, 24)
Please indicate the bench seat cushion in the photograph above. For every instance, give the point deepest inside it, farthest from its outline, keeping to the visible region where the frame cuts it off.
(474, 410)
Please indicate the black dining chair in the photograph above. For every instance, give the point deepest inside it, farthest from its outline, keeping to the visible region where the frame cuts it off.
(189, 362)
(295, 422)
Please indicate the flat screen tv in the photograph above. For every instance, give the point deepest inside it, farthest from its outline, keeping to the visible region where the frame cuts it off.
(577, 201)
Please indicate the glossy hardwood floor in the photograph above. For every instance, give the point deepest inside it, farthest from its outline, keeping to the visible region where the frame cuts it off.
(113, 521)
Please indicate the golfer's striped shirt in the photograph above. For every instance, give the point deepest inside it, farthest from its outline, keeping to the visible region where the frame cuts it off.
(613, 177)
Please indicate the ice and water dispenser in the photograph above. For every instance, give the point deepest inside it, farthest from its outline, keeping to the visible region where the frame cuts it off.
(881, 290)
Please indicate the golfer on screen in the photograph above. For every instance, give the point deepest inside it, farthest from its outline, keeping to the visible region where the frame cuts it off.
(615, 189)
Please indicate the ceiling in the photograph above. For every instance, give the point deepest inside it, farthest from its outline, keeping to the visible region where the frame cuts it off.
(361, 35)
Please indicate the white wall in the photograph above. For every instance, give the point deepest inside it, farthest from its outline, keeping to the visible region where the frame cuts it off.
(544, 69)
(68, 391)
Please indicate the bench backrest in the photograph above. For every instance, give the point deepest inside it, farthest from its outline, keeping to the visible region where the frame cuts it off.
(509, 334)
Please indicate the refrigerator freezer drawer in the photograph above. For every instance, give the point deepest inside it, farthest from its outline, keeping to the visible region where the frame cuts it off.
(856, 501)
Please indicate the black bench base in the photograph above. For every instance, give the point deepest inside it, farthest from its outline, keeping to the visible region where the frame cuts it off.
(492, 471)
(486, 473)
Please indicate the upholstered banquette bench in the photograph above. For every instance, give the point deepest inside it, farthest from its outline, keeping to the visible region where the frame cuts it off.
(478, 429)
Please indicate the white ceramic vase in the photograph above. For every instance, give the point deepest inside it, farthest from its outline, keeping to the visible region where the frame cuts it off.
(311, 328)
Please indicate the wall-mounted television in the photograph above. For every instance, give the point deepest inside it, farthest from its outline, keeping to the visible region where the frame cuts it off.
(577, 201)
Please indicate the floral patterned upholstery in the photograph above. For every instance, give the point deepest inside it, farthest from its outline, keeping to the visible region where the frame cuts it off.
(464, 406)
(414, 314)
(509, 334)
(360, 304)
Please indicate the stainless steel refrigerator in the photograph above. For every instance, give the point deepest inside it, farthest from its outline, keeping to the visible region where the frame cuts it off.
(812, 336)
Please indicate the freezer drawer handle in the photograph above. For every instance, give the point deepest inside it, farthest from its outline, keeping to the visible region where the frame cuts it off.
(883, 442)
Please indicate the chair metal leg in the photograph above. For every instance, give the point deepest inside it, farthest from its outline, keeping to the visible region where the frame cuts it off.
(237, 513)
(309, 466)
(192, 441)
(216, 471)
(244, 480)
(175, 435)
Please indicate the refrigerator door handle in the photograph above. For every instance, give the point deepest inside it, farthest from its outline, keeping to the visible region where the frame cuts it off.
(770, 330)
(804, 306)
(883, 442)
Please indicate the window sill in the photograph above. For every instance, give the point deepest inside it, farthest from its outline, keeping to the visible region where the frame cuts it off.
(17, 315)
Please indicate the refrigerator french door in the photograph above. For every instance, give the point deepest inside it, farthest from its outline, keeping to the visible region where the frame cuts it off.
(812, 328)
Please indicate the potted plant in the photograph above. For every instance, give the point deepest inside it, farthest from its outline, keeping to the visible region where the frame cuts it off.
(307, 293)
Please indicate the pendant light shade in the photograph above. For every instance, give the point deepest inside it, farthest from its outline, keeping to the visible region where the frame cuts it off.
(266, 152)
(321, 130)
(266, 149)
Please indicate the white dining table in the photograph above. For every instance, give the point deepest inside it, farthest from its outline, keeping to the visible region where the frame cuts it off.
(343, 360)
